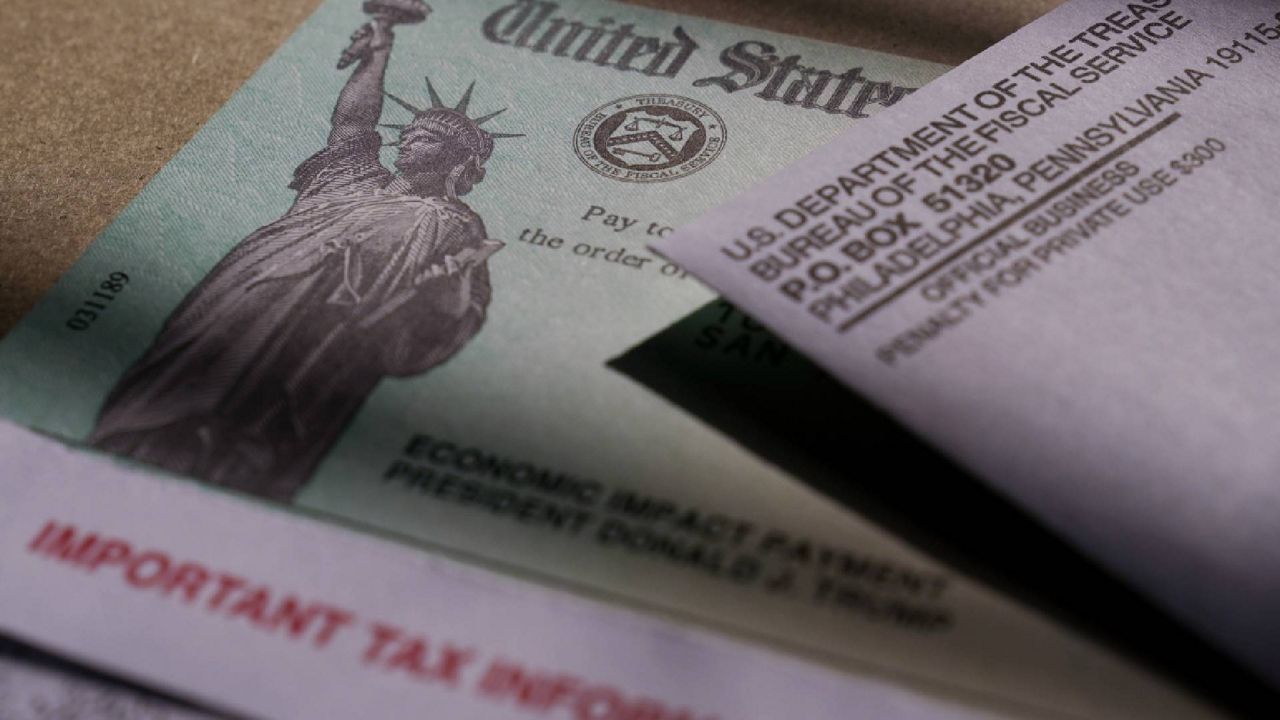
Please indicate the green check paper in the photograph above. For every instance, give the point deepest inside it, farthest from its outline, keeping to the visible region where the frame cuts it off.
(386, 293)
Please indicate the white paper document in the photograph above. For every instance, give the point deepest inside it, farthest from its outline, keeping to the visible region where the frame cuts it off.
(30, 691)
(263, 612)
(1059, 262)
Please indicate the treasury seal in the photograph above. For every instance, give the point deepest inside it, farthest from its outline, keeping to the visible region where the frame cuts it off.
(649, 138)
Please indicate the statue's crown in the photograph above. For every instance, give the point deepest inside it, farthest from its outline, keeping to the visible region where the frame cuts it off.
(453, 120)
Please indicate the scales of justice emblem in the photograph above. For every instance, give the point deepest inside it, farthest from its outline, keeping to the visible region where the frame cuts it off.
(371, 273)
(641, 137)
(650, 138)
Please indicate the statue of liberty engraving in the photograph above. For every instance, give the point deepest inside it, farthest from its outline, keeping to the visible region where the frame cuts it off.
(371, 273)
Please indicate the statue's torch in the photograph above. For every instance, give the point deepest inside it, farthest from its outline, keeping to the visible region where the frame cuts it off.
(388, 12)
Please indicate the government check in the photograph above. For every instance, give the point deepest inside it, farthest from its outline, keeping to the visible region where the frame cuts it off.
(385, 293)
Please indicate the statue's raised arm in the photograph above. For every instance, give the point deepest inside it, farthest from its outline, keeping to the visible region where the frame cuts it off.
(359, 104)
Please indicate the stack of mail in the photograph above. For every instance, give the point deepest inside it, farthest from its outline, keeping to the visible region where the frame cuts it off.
(472, 378)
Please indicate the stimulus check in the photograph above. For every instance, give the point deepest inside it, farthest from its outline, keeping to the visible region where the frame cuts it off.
(386, 292)
(1058, 264)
